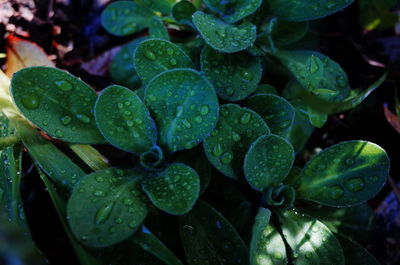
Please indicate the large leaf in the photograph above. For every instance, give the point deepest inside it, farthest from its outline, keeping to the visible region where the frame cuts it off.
(228, 144)
(303, 10)
(124, 120)
(107, 207)
(267, 246)
(234, 76)
(174, 190)
(268, 161)
(222, 36)
(355, 254)
(123, 18)
(155, 56)
(208, 238)
(184, 106)
(57, 102)
(277, 112)
(233, 11)
(310, 240)
(345, 174)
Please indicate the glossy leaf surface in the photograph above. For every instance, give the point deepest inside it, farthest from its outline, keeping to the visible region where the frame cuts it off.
(233, 11)
(123, 18)
(222, 36)
(184, 106)
(267, 246)
(182, 12)
(310, 240)
(228, 144)
(234, 76)
(345, 174)
(124, 120)
(157, 30)
(208, 238)
(303, 10)
(106, 207)
(57, 102)
(268, 161)
(155, 56)
(174, 190)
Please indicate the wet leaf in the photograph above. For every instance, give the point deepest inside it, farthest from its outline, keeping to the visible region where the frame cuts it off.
(233, 11)
(157, 30)
(300, 131)
(182, 12)
(266, 89)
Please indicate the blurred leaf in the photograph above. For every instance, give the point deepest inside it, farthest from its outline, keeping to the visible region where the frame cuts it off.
(392, 119)
(376, 14)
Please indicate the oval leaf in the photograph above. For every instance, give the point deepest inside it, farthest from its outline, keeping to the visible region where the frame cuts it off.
(345, 174)
(267, 246)
(208, 238)
(222, 36)
(175, 190)
(304, 10)
(123, 18)
(106, 207)
(268, 161)
(57, 102)
(124, 120)
(277, 112)
(182, 12)
(184, 106)
(228, 144)
(234, 76)
(157, 29)
(310, 240)
(233, 11)
(155, 56)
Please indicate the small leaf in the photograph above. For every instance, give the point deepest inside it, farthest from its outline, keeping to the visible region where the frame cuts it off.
(175, 190)
(123, 18)
(228, 144)
(276, 111)
(182, 12)
(106, 207)
(310, 240)
(316, 118)
(267, 246)
(122, 71)
(354, 253)
(208, 238)
(304, 10)
(163, 6)
(124, 120)
(268, 161)
(184, 106)
(155, 56)
(234, 11)
(222, 36)
(157, 30)
(234, 76)
(345, 174)
(57, 102)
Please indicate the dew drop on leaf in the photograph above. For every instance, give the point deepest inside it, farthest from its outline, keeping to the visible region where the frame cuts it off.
(355, 184)
(63, 85)
(31, 101)
(336, 192)
(226, 158)
(104, 213)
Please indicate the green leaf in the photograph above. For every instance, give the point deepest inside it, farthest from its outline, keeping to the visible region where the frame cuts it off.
(122, 71)
(182, 12)
(163, 6)
(150, 243)
(234, 76)
(107, 207)
(277, 112)
(57, 165)
(265, 89)
(300, 131)
(155, 56)
(354, 253)
(303, 10)
(222, 36)
(233, 11)
(124, 120)
(208, 238)
(268, 161)
(175, 190)
(184, 106)
(281, 196)
(345, 174)
(267, 246)
(157, 30)
(317, 74)
(376, 14)
(227, 145)
(57, 102)
(310, 240)
(285, 33)
(123, 18)
(88, 154)
(316, 118)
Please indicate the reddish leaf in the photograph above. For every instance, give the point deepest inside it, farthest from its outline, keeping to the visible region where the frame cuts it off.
(392, 118)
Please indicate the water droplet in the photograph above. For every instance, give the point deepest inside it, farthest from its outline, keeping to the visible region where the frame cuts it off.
(198, 119)
(172, 61)
(65, 120)
(349, 162)
(83, 118)
(119, 220)
(104, 213)
(59, 133)
(188, 229)
(277, 255)
(248, 76)
(98, 193)
(221, 32)
(229, 91)
(179, 111)
(336, 192)
(150, 55)
(245, 118)
(64, 85)
(330, 5)
(204, 110)
(341, 81)
(236, 137)
(217, 150)
(31, 101)
(187, 124)
(308, 255)
(355, 184)
(313, 67)
(170, 51)
(226, 158)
